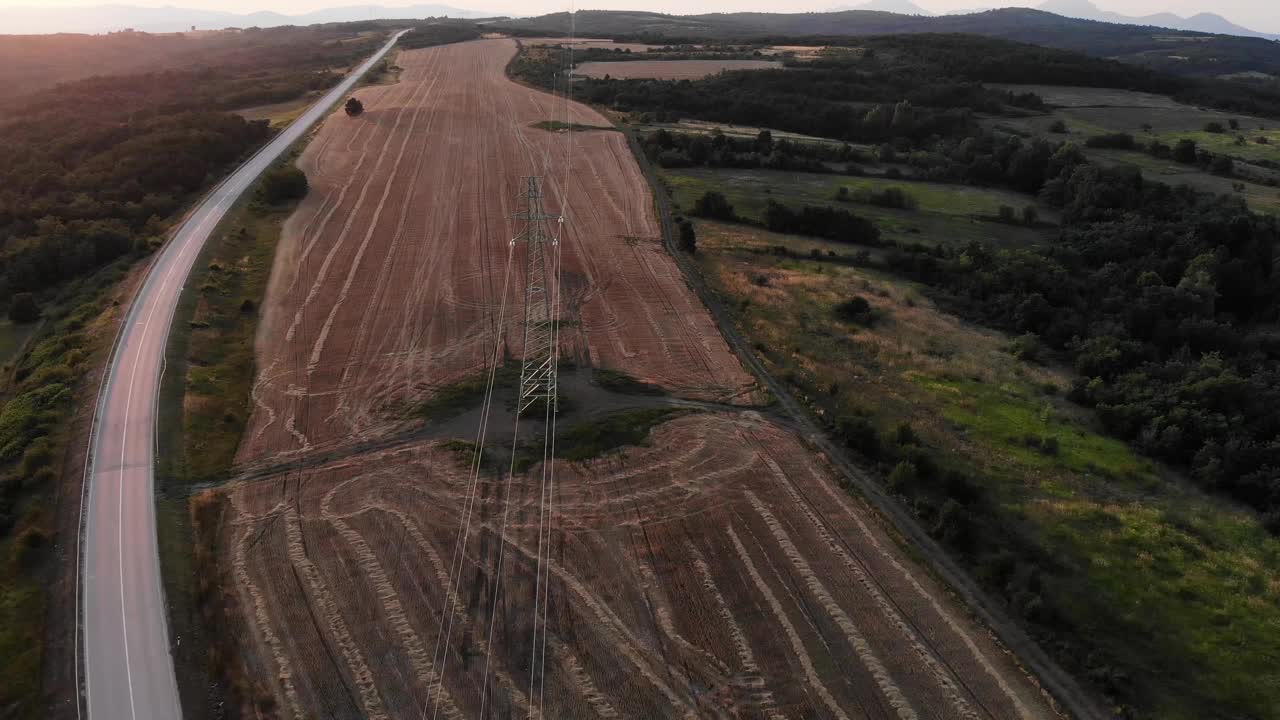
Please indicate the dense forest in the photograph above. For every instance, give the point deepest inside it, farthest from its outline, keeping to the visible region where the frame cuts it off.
(94, 168)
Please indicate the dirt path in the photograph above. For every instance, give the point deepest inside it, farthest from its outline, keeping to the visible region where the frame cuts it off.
(717, 572)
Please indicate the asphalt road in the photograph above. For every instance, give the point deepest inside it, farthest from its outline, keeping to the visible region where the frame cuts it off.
(128, 669)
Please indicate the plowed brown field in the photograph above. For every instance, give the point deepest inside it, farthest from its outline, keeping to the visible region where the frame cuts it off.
(716, 572)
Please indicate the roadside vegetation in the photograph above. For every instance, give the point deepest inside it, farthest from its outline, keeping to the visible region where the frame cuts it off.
(42, 386)
(205, 406)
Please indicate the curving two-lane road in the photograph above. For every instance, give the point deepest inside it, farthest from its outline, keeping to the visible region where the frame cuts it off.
(128, 670)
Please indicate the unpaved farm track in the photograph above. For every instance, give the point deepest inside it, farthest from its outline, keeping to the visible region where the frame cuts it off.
(717, 572)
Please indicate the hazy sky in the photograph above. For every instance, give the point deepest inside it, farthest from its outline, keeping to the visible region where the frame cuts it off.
(1263, 15)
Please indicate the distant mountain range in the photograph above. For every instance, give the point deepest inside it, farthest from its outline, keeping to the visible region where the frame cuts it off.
(901, 7)
(1204, 22)
(111, 18)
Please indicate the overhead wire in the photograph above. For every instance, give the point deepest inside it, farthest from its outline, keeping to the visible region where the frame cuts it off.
(542, 586)
(444, 632)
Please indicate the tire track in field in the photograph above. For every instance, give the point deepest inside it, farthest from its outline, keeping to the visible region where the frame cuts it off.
(927, 655)
(780, 617)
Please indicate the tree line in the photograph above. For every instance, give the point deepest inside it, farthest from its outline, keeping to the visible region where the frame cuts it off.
(94, 170)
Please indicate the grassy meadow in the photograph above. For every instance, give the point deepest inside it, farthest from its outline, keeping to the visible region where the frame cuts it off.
(951, 214)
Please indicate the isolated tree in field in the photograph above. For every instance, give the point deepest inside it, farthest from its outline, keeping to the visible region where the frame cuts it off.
(354, 107)
(23, 308)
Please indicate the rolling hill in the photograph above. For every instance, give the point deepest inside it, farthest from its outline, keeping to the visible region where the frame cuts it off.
(1177, 51)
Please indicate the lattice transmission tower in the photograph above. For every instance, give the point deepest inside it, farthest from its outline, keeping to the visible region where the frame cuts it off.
(538, 376)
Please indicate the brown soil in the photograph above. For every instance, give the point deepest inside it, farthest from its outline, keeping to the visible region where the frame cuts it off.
(718, 571)
(388, 278)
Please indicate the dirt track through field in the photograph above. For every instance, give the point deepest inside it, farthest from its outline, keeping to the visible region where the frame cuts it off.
(717, 572)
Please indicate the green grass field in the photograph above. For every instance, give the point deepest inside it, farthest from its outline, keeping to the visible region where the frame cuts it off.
(1090, 111)
(1262, 198)
(1166, 597)
(951, 214)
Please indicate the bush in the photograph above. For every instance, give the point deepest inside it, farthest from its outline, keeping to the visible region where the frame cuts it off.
(23, 308)
(856, 310)
(953, 527)
(890, 197)
(688, 238)
(282, 185)
(904, 477)
(1186, 152)
(1007, 215)
(1030, 216)
(714, 205)
(858, 434)
(353, 107)
(825, 222)
(1058, 127)
(1214, 127)
(1113, 141)
(905, 435)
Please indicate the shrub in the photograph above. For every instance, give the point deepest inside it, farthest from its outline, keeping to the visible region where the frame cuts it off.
(890, 197)
(1058, 127)
(688, 238)
(353, 107)
(714, 205)
(856, 310)
(858, 434)
(1007, 215)
(1113, 141)
(26, 551)
(904, 435)
(953, 526)
(1186, 152)
(1214, 127)
(904, 477)
(23, 308)
(282, 185)
(825, 222)
(1030, 216)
